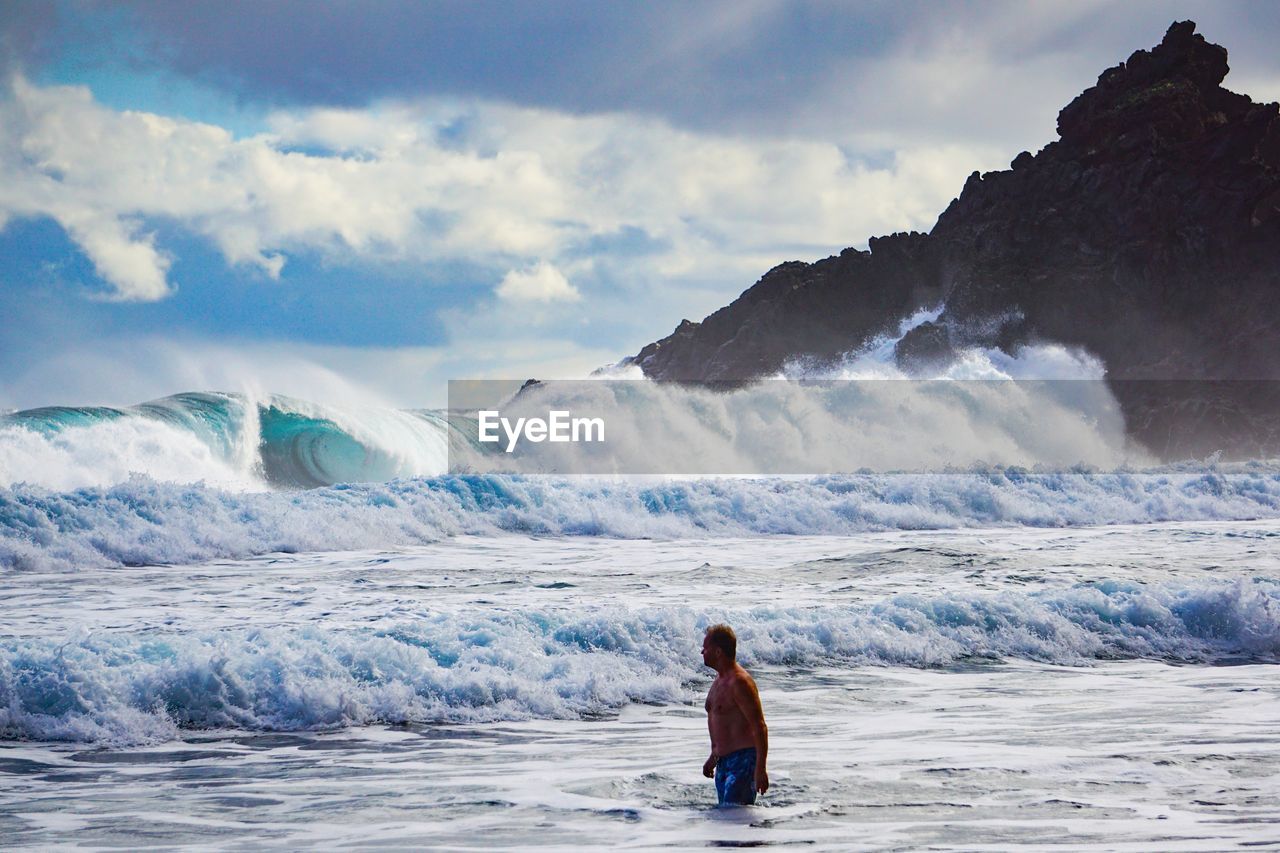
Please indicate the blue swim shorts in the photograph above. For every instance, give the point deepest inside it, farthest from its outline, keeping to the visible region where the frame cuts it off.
(736, 777)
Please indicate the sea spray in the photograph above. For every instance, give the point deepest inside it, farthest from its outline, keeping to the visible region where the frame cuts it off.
(258, 441)
(780, 427)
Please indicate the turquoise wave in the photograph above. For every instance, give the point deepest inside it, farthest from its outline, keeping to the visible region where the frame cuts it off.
(285, 442)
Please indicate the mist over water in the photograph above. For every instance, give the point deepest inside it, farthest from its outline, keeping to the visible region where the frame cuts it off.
(809, 427)
(201, 476)
(1045, 405)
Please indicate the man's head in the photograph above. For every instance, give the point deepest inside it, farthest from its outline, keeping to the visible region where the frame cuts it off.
(719, 646)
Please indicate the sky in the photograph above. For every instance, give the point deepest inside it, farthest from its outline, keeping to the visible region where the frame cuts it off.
(356, 202)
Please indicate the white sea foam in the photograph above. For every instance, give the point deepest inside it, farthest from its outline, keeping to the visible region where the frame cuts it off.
(877, 360)
(109, 452)
(494, 664)
(143, 522)
(229, 440)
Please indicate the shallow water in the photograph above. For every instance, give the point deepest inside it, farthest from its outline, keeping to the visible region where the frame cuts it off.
(1135, 755)
(978, 689)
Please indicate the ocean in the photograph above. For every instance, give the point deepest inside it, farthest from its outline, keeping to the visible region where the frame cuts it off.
(980, 687)
(239, 623)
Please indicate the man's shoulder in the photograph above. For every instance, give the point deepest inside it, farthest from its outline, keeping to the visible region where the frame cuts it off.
(741, 676)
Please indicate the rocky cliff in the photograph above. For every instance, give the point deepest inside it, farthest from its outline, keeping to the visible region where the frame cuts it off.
(1148, 233)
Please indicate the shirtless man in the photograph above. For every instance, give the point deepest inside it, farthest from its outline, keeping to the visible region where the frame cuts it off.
(739, 737)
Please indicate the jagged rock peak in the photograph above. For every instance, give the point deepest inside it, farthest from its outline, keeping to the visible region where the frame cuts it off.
(1148, 236)
(1183, 71)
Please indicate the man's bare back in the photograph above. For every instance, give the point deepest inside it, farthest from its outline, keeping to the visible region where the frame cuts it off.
(735, 720)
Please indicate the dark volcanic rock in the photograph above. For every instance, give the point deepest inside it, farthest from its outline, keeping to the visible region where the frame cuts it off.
(927, 345)
(1148, 234)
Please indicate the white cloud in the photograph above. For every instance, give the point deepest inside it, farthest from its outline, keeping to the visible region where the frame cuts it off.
(613, 225)
(424, 182)
(120, 254)
(540, 283)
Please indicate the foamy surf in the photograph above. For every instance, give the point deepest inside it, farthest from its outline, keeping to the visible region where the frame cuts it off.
(144, 522)
(487, 664)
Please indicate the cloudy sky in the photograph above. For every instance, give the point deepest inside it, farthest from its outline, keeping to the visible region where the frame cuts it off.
(356, 201)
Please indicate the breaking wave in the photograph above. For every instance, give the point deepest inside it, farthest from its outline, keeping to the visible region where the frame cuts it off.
(236, 441)
(229, 440)
(130, 688)
(144, 522)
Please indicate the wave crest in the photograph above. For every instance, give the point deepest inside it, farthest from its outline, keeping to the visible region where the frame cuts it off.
(485, 666)
(229, 440)
(143, 522)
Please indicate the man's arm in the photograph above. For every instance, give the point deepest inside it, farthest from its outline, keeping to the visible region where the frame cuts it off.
(747, 698)
(709, 766)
